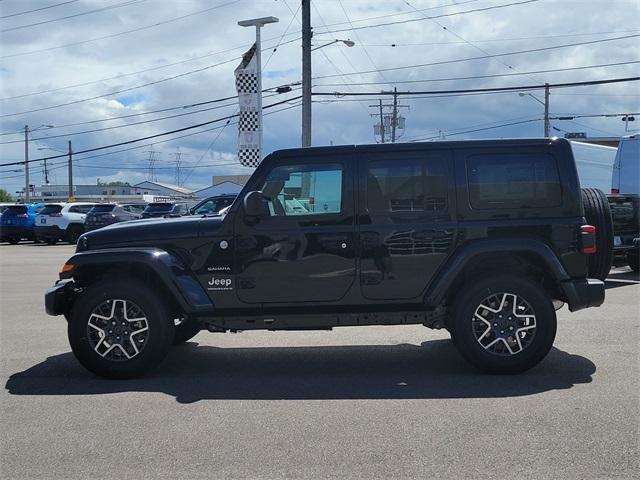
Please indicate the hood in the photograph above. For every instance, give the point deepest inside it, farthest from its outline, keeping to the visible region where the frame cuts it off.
(148, 232)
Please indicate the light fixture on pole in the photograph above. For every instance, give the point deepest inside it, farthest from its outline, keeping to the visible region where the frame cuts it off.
(247, 107)
(27, 186)
(348, 42)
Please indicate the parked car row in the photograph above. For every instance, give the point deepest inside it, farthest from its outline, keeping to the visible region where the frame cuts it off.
(54, 222)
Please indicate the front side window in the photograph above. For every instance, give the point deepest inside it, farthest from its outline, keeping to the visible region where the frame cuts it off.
(411, 188)
(513, 181)
(295, 190)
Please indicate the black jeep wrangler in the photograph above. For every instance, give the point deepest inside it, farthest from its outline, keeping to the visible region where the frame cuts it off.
(483, 238)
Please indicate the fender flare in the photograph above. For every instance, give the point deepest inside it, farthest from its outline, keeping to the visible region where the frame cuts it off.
(445, 277)
(169, 269)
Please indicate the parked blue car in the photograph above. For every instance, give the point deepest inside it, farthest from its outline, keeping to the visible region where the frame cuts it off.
(17, 221)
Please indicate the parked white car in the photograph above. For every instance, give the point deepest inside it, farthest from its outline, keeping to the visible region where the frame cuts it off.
(61, 221)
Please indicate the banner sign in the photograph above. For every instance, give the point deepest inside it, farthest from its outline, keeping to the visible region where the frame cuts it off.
(249, 148)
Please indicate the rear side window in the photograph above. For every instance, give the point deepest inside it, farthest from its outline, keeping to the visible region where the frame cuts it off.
(407, 189)
(80, 208)
(159, 207)
(49, 209)
(103, 208)
(513, 181)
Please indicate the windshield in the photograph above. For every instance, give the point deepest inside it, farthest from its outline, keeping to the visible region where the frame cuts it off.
(49, 209)
(103, 208)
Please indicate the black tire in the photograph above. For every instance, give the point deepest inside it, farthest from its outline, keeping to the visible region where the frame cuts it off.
(186, 331)
(158, 337)
(598, 213)
(51, 241)
(73, 233)
(464, 332)
(633, 258)
(13, 240)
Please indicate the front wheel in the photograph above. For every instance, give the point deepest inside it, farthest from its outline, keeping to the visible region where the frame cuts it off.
(505, 324)
(120, 329)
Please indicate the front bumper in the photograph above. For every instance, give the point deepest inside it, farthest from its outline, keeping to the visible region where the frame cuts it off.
(59, 298)
(49, 231)
(584, 293)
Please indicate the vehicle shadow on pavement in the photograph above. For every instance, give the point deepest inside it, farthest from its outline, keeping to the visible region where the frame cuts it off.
(193, 373)
(622, 279)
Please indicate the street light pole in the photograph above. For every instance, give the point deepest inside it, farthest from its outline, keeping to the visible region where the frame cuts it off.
(306, 73)
(27, 193)
(546, 109)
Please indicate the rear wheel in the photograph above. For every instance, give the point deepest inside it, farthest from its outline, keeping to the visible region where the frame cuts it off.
(120, 329)
(51, 241)
(504, 324)
(73, 233)
(13, 240)
(598, 213)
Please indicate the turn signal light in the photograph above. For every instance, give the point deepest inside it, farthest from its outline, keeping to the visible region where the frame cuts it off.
(67, 267)
(588, 239)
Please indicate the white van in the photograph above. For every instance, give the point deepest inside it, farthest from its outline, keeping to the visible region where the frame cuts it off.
(626, 173)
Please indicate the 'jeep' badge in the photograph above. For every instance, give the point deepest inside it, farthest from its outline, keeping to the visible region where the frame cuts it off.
(217, 283)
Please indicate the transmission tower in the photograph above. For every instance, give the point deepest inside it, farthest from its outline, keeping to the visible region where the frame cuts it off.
(153, 157)
(178, 159)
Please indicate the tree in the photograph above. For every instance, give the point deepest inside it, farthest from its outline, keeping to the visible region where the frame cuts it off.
(5, 196)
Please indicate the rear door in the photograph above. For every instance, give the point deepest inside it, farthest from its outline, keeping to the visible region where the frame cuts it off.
(304, 250)
(406, 225)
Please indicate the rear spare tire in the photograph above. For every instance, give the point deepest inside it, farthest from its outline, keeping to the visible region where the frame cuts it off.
(598, 213)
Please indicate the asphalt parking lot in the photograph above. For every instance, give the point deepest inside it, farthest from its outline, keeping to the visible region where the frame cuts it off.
(376, 402)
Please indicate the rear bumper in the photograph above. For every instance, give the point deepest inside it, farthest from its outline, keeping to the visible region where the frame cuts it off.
(624, 242)
(16, 231)
(59, 298)
(583, 293)
(49, 231)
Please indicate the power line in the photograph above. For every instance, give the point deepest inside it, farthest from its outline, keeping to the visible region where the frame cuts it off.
(49, 137)
(95, 39)
(148, 137)
(444, 62)
(44, 22)
(399, 22)
(38, 9)
(477, 77)
(491, 89)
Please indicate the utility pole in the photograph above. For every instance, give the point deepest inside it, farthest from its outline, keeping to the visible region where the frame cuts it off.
(46, 172)
(546, 110)
(394, 118)
(152, 162)
(71, 198)
(178, 156)
(306, 73)
(27, 194)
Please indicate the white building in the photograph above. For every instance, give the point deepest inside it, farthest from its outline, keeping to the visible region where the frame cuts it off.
(223, 185)
(160, 189)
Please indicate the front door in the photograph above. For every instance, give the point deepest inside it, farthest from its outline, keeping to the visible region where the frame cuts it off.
(406, 224)
(304, 249)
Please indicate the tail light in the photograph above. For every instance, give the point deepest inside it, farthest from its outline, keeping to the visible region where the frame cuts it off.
(55, 214)
(615, 191)
(588, 239)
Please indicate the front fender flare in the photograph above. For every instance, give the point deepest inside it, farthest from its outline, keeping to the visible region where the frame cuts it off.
(169, 269)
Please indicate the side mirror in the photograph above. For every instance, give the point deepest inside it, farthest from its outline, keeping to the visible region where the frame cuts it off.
(255, 205)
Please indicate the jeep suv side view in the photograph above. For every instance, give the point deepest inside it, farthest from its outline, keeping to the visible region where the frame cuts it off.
(482, 238)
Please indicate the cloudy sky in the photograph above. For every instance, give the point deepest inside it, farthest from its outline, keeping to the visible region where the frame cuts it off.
(109, 71)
